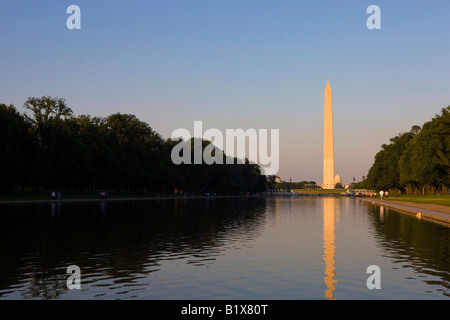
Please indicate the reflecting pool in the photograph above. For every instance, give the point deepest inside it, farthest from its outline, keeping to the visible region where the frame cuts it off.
(225, 248)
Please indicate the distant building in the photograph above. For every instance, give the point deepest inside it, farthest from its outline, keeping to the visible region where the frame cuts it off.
(338, 179)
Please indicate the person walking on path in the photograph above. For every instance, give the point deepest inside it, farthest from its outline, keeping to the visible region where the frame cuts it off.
(381, 194)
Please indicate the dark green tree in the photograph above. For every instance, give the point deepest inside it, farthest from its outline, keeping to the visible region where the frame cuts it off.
(384, 173)
(417, 161)
(19, 155)
(48, 148)
(425, 163)
(47, 119)
(137, 149)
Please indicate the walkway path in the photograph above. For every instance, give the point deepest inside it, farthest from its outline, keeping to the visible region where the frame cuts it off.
(423, 210)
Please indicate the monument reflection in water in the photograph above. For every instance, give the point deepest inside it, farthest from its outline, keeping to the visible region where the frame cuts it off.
(329, 245)
(284, 248)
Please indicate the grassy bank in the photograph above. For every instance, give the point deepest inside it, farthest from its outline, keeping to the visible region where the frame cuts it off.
(74, 197)
(443, 199)
(19, 197)
(319, 191)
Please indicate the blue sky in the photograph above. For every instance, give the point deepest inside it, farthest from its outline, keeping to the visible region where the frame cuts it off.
(239, 64)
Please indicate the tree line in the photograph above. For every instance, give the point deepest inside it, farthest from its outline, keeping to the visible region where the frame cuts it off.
(47, 148)
(415, 162)
(294, 185)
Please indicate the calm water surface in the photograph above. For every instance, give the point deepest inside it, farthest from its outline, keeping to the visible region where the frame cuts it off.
(274, 248)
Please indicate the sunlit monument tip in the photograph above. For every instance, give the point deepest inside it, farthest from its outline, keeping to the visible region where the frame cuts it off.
(328, 149)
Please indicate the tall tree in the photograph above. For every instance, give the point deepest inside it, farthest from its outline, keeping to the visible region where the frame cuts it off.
(137, 149)
(18, 149)
(417, 161)
(384, 173)
(425, 162)
(47, 118)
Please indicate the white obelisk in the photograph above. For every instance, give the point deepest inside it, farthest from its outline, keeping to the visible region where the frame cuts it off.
(328, 149)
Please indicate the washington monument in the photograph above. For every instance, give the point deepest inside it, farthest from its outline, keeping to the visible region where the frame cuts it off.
(328, 149)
